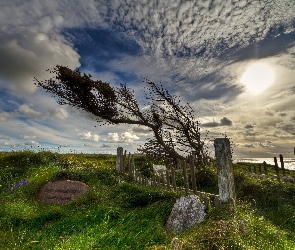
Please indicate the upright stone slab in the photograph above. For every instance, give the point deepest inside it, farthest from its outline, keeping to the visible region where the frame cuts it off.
(186, 213)
(62, 192)
(119, 159)
(225, 169)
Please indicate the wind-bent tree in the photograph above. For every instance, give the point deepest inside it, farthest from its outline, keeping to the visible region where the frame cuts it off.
(175, 129)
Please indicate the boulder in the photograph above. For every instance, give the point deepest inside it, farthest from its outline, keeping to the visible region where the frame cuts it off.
(62, 192)
(186, 213)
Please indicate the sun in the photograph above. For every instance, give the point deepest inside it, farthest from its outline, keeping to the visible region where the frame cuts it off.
(258, 77)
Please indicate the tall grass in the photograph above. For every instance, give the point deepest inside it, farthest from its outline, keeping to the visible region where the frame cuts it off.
(119, 214)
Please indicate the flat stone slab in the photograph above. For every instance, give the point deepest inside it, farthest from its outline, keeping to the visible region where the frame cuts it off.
(62, 192)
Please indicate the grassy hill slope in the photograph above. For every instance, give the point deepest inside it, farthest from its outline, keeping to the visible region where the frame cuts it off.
(119, 214)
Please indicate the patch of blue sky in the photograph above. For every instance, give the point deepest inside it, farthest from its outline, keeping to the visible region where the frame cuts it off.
(128, 78)
(98, 47)
(274, 44)
(8, 102)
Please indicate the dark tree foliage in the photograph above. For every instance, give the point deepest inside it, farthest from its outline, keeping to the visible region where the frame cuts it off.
(175, 129)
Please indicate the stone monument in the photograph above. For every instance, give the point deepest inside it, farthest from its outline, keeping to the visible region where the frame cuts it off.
(62, 192)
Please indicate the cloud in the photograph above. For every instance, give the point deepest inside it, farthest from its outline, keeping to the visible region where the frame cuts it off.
(113, 137)
(32, 143)
(129, 137)
(251, 133)
(283, 114)
(266, 144)
(141, 130)
(225, 122)
(4, 138)
(32, 40)
(87, 145)
(270, 112)
(95, 138)
(125, 137)
(249, 126)
(26, 111)
(222, 122)
(28, 137)
(85, 135)
(58, 113)
(13, 144)
(89, 136)
(249, 145)
(27, 53)
(202, 29)
(4, 116)
(174, 38)
(287, 127)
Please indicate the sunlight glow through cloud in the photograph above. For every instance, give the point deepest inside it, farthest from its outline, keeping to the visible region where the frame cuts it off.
(258, 77)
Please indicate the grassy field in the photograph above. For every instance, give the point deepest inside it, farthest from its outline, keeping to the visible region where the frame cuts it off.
(119, 214)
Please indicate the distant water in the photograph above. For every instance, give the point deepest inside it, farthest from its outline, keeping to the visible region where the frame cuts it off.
(289, 163)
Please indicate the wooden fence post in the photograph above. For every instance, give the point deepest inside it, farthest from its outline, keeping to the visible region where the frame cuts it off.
(265, 168)
(225, 169)
(282, 165)
(179, 166)
(277, 168)
(173, 178)
(186, 186)
(119, 159)
(168, 179)
(129, 165)
(158, 181)
(132, 166)
(207, 203)
(193, 175)
(163, 179)
(124, 161)
(217, 203)
(154, 181)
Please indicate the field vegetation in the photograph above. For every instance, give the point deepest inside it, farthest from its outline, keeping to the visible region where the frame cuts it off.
(120, 214)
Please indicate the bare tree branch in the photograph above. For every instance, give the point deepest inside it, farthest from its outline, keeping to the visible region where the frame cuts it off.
(174, 126)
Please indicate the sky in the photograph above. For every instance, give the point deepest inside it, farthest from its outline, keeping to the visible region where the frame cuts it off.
(233, 61)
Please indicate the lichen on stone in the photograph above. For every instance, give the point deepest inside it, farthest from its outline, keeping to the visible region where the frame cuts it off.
(186, 213)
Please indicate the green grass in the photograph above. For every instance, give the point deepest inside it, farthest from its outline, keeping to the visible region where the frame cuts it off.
(119, 214)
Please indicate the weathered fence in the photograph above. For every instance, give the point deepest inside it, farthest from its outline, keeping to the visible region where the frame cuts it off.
(262, 170)
(167, 178)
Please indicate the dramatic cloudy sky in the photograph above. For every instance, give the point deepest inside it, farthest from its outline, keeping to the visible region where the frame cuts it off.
(232, 60)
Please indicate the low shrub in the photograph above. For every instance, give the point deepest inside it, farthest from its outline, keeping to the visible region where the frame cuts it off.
(146, 169)
(68, 175)
(206, 178)
(134, 195)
